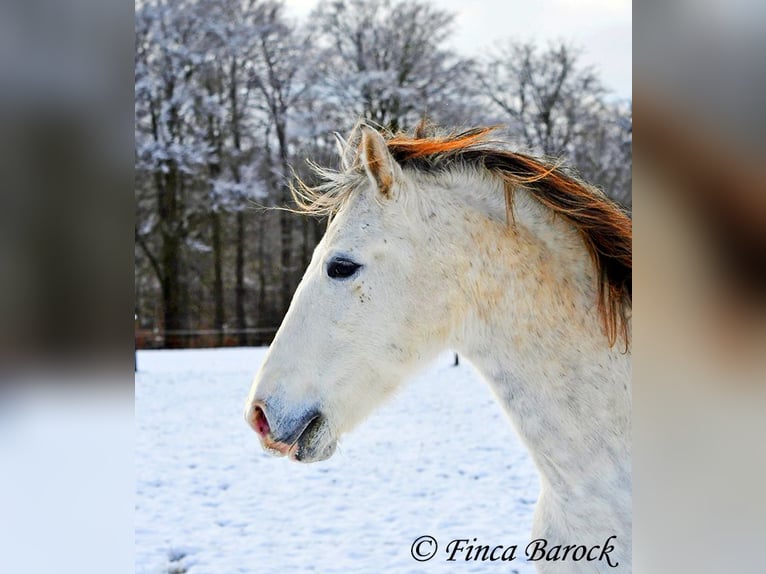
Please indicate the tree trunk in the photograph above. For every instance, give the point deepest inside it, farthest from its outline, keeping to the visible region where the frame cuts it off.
(260, 258)
(171, 292)
(219, 318)
(285, 221)
(307, 244)
(285, 226)
(240, 281)
(170, 257)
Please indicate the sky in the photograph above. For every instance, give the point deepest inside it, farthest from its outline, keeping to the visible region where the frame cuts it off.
(602, 28)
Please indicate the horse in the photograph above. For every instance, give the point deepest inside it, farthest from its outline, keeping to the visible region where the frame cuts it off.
(440, 241)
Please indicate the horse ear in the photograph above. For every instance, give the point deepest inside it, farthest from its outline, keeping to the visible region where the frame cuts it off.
(350, 153)
(379, 164)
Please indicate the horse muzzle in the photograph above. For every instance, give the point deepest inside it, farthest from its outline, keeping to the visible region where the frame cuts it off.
(303, 436)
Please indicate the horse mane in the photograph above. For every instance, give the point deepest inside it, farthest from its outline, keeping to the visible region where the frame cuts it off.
(605, 229)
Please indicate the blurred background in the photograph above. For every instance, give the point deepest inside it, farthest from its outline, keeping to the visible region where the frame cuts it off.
(700, 296)
(75, 219)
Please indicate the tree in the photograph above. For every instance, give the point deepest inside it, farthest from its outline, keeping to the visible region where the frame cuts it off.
(196, 143)
(170, 149)
(559, 109)
(604, 155)
(278, 74)
(385, 61)
(233, 32)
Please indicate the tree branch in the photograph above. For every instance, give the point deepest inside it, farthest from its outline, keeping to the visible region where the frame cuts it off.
(141, 241)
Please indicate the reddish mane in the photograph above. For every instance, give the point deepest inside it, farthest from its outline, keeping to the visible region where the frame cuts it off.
(603, 226)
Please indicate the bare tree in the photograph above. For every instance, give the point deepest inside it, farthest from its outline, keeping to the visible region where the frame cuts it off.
(386, 61)
(604, 153)
(195, 143)
(170, 149)
(558, 108)
(544, 94)
(278, 74)
(233, 31)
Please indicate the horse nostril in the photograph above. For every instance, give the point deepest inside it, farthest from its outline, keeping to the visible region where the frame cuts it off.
(258, 421)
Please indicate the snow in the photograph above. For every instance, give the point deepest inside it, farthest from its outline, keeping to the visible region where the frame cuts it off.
(440, 459)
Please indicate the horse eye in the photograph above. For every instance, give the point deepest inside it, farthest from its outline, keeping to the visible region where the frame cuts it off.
(341, 268)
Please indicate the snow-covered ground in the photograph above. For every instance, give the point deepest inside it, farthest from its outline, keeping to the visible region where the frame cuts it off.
(441, 459)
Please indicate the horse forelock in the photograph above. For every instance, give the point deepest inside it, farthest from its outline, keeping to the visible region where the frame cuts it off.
(605, 229)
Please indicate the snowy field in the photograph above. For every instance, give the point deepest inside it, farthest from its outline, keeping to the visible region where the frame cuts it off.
(441, 459)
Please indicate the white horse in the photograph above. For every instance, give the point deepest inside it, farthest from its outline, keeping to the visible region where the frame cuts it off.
(454, 242)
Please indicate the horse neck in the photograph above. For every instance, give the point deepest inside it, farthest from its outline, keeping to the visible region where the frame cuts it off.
(534, 333)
